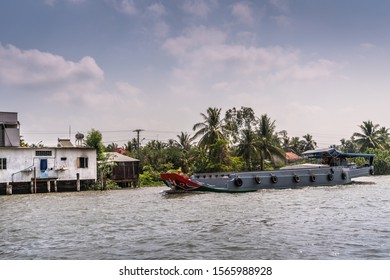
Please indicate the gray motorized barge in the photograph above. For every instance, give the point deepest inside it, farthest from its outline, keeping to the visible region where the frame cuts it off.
(332, 168)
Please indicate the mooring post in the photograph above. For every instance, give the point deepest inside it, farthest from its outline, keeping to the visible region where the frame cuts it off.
(78, 182)
(8, 190)
(35, 180)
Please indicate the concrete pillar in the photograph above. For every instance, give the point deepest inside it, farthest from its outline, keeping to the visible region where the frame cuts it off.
(32, 187)
(55, 185)
(78, 182)
(8, 189)
(48, 186)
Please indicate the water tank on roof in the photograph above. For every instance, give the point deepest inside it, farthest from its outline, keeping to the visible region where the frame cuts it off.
(79, 139)
(79, 136)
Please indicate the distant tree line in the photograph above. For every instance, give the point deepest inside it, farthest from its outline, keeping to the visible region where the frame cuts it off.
(235, 140)
(238, 140)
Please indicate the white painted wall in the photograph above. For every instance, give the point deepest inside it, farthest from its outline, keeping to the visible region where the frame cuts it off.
(21, 163)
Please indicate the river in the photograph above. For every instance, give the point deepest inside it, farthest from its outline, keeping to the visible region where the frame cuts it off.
(323, 223)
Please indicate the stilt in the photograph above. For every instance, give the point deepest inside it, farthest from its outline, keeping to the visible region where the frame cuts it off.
(34, 190)
(78, 182)
(48, 185)
(32, 186)
(55, 185)
(8, 190)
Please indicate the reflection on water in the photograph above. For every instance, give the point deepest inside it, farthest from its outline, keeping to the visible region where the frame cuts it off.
(345, 222)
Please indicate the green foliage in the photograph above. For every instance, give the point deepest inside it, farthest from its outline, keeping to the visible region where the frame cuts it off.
(237, 163)
(94, 140)
(150, 177)
(238, 142)
(22, 142)
(108, 185)
(381, 161)
(111, 185)
(371, 136)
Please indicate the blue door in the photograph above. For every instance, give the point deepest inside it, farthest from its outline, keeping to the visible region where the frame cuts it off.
(43, 172)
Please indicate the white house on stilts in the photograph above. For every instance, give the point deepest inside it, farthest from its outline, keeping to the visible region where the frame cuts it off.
(42, 169)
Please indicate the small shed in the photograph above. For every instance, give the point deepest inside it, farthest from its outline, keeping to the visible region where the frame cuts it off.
(125, 169)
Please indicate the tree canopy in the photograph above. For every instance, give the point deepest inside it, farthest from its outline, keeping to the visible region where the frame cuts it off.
(237, 140)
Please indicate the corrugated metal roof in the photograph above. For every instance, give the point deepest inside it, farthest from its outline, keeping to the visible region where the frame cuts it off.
(117, 157)
(332, 152)
(64, 143)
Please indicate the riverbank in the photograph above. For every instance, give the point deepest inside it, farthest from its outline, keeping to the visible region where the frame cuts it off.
(48, 186)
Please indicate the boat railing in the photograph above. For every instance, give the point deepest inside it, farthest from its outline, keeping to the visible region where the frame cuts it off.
(211, 175)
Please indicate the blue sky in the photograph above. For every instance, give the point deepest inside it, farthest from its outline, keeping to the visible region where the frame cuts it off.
(319, 67)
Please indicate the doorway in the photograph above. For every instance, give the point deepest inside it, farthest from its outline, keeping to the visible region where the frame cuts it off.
(43, 171)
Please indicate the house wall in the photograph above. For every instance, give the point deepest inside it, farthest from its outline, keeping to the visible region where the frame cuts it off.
(123, 171)
(62, 164)
(9, 136)
(9, 130)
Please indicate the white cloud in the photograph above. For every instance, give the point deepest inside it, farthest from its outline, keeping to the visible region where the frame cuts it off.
(157, 9)
(43, 73)
(243, 13)
(208, 66)
(281, 5)
(127, 88)
(207, 52)
(310, 71)
(194, 40)
(53, 2)
(282, 20)
(367, 46)
(200, 8)
(127, 7)
(161, 29)
(43, 69)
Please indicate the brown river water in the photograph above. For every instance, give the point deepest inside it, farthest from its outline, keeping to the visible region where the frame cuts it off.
(341, 222)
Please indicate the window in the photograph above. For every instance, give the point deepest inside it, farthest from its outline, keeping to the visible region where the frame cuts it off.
(43, 153)
(82, 162)
(3, 163)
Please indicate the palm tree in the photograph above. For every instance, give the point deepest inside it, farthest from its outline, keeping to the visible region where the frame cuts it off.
(284, 140)
(111, 147)
(268, 141)
(211, 129)
(248, 147)
(347, 146)
(308, 142)
(371, 136)
(296, 145)
(184, 141)
(384, 136)
(131, 147)
(214, 139)
(237, 120)
(184, 144)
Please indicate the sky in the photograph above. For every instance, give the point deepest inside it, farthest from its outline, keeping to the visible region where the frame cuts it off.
(318, 67)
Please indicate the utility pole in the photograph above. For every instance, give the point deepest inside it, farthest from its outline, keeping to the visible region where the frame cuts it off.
(138, 132)
(138, 154)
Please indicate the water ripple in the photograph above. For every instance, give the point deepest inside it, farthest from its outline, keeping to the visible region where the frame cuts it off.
(343, 222)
